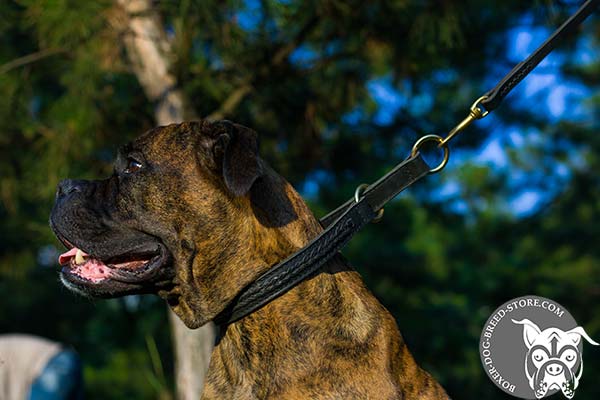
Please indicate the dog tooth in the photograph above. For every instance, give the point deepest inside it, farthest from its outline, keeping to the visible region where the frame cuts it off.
(79, 257)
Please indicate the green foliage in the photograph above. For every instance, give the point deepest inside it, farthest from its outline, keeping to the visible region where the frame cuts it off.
(302, 66)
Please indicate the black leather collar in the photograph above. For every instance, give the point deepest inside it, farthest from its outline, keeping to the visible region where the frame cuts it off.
(340, 225)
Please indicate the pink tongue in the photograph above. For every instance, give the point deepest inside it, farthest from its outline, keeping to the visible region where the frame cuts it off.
(94, 270)
(64, 258)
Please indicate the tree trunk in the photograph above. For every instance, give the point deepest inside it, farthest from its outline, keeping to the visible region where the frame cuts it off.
(148, 51)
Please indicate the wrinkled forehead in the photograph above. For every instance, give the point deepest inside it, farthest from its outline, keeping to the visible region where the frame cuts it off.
(541, 343)
(554, 339)
(168, 141)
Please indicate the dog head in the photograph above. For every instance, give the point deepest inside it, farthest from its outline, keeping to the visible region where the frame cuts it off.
(177, 217)
(553, 360)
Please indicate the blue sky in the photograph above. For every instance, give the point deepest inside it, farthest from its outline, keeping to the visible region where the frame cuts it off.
(556, 97)
(546, 88)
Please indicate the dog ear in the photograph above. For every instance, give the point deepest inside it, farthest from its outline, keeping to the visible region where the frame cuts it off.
(237, 148)
(577, 333)
(530, 331)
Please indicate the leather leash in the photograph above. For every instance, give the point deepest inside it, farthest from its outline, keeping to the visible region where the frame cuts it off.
(368, 202)
(495, 96)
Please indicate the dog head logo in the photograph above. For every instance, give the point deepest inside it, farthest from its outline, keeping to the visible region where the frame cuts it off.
(553, 360)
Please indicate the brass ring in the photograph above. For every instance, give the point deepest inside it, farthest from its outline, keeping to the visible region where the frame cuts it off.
(440, 141)
(357, 196)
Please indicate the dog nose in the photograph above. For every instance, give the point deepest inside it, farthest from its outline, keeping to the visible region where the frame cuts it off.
(554, 369)
(68, 186)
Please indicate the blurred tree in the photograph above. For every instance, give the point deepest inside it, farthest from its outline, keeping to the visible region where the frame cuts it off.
(148, 50)
(338, 91)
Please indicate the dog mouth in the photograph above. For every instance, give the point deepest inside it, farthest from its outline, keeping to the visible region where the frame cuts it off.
(140, 270)
(125, 268)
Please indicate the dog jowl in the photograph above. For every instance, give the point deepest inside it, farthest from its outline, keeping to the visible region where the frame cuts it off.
(193, 214)
(138, 231)
(553, 360)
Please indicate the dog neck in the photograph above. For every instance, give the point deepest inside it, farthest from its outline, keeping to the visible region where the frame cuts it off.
(328, 329)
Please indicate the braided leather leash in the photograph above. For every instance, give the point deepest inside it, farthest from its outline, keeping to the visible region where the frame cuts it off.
(495, 96)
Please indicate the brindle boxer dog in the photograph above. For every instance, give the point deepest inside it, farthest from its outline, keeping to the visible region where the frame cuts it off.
(192, 213)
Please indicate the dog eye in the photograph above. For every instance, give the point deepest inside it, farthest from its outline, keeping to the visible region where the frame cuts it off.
(538, 355)
(569, 355)
(132, 166)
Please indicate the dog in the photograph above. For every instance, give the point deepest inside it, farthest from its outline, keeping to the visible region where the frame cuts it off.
(553, 360)
(193, 214)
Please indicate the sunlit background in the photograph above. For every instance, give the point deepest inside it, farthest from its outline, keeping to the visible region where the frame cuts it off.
(338, 92)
